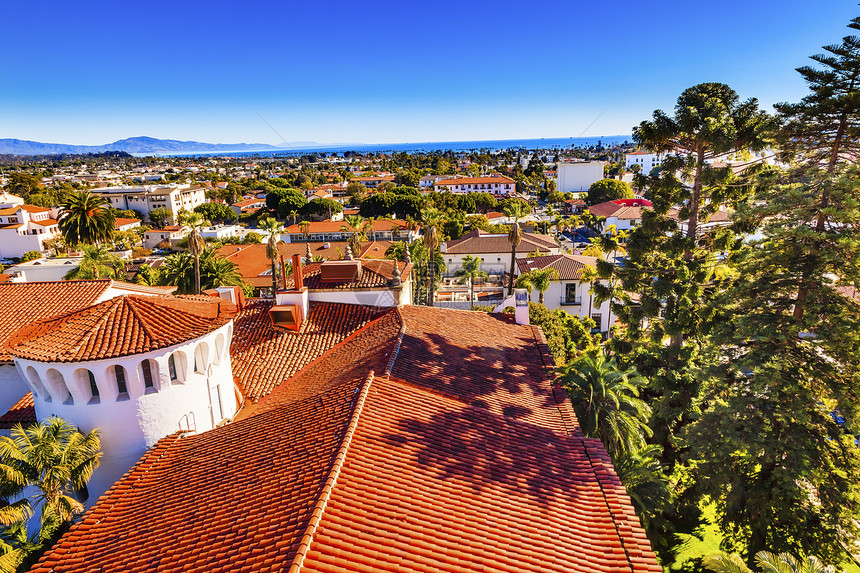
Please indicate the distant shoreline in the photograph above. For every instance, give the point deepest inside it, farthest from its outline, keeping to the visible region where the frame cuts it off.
(429, 146)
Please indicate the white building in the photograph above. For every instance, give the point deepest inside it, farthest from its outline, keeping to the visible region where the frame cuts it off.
(647, 161)
(493, 184)
(25, 228)
(494, 250)
(147, 198)
(576, 176)
(138, 367)
(568, 292)
(171, 234)
(220, 232)
(53, 269)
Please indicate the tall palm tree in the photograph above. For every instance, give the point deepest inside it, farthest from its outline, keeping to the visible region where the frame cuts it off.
(541, 279)
(217, 272)
(196, 244)
(178, 271)
(357, 226)
(98, 263)
(54, 458)
(433, 220)
(271, 227)
(86, 218)
(304, 227)
(470, 271)
(768, 562)
(516, 211)
(606, 401)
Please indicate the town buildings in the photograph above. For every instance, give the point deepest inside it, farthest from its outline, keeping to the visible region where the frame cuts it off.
(646, 161)
(25, 228)
(494, 250)
(147, 198)
(493, 184)
(577, 176)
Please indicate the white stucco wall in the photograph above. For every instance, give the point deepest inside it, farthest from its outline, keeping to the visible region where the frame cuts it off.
(370, 297)
(132, 423)
(12, 387)
(578, 176)
(587, 305)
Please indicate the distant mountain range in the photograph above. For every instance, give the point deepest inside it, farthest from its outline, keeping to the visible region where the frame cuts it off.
(130, 145)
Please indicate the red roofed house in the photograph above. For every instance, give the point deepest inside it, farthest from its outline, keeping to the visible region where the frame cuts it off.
(247, 205)
(169, 235)
(381, 230)
(409, 439)
(123, 224)
(494, 184)
(494, 250)
(569, 292)
(25, 228)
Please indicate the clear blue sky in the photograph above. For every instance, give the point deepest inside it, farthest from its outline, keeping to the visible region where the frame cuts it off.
(332, 71)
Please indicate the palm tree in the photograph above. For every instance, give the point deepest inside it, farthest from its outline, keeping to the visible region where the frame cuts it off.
(356, 226)
(178, 270)
(98, 263)
(271, 227)
(54, 458)
(541, 279)
(515, 210)
(606, 401)
(648, 487)
(304, 227)
(768, 562)
(86, 218)
(471, 270)
(524, 281)
(433, 219)
(195, 243)
(217, 272)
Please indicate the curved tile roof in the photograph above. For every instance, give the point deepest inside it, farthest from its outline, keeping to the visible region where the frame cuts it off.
(120, 326)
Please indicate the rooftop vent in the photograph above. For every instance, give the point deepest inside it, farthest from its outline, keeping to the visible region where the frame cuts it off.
(340, 271)
(286, 316)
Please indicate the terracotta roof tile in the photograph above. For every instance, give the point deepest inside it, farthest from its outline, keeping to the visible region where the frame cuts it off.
(375, 273)
(482, 242)
(120, 326)
(263, 358)
(23, 303)
(23, 412)
(343, 470)
(569, 267)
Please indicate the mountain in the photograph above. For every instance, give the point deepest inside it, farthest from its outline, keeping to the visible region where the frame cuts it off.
(130, 145)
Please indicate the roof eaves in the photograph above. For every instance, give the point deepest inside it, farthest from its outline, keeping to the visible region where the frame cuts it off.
(330, 482)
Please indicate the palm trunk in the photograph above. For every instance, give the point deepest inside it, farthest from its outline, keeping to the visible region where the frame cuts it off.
(540, 297)
(471, 294)
(513, 262)
(274, 280)
(196, 273)
(432, 286)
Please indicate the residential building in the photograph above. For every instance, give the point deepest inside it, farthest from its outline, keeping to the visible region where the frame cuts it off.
(576, 176)
(426, 182)
(125, 224)
(568, 292)
(44, 269)
(494, 250)
(625, 214)
(248, 205)
(220, 232)
(145, 199)
(25, 228)
(647, 161)
(372, 181)
(169, 235)
(8, 200)
(494, 184)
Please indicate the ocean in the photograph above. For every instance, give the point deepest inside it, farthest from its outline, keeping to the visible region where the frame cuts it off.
(418, 147)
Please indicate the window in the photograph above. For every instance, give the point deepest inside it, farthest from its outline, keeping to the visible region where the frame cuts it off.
(171, 368)
(598, 321)
(121, 386)
(146, 368)
(94, 389)
(570, 293)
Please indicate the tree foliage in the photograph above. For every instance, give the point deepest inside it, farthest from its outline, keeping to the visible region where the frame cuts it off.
(608, 190)
(86, 218)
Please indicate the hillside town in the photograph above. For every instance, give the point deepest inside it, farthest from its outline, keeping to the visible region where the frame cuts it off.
(622, 357)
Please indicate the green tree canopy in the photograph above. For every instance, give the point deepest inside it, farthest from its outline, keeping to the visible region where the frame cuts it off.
(608, 190)
(86, 218)
(216, 212)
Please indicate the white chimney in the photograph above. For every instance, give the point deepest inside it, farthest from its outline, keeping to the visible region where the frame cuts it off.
(519, 301)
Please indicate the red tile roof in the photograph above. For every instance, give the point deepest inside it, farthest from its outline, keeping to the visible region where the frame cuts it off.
(379, 226)
(122, 222)
(455, 460)
(45, 222)
(23, 412)
(263, 358)
(483, 242)
(120, 326)
(23, 303)
(569, 267)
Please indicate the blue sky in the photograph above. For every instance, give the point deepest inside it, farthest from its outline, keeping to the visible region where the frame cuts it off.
(373, 72)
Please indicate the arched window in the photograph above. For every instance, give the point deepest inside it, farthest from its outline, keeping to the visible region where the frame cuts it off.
(120, 378)
(36, 383)
(219, 349)
(86, 381)
(58, 384)
(201, 358)
(176, 367)
(148, 373)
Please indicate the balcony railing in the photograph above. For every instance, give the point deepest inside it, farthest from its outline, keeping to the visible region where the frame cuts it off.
(565, 301)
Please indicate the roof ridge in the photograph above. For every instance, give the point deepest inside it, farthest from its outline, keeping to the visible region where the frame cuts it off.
(397, 344)
(133, 309)
(600, 483)
(331, 480)
(108, 304)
